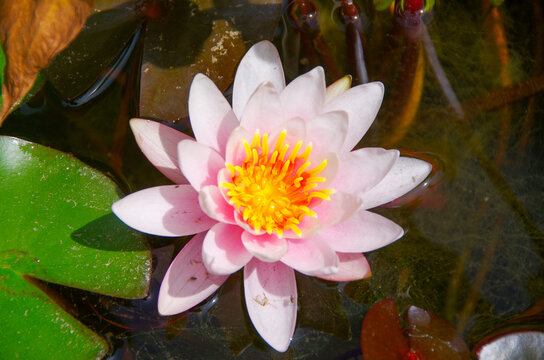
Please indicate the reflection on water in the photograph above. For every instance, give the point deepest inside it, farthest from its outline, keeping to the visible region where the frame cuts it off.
(474, 245)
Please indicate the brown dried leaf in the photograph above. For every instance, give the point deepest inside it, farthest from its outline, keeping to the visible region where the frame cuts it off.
(32, 33)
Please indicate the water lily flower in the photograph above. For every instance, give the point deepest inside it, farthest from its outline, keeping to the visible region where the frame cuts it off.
(270, 185)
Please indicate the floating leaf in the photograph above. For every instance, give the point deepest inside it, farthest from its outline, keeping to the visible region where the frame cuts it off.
(57, 227)
(381, 336)
(431, 337)
(32, 33)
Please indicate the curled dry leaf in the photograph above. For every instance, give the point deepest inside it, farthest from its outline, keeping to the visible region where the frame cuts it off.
(32, 33)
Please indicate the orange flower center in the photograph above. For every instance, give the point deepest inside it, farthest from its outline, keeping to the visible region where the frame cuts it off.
(273, 188)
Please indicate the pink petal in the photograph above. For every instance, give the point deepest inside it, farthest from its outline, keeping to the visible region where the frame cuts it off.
(223, 252)
(329, 172)
(263, 110)
(159, 143)
(295, 131)
(350, 268)
(214, 205)
(260, 64)
(309, 226)
(199, 163)
(212, 118)
(187, 282)
(340, 207)
(405, 175)
(224, 176)
(244, 225)
(304, 96)
(265, 247)
(271, 299)
(362, 169)
(362, 104)
(170, 210)
(328, 131)
(364, 231)
(337, 88)
(235, 153)
(311, 256)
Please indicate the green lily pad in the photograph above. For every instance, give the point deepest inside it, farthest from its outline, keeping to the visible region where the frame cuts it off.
(57, 227)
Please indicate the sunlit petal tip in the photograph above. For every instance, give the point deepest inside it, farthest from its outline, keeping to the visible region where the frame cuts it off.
(271, 300)
(159, 143)
(405, 175)
(362, 169)
(362, 104)
(187, 281)
(309, 86)
(170, 210)
(351, 267)
(211, 115)
(260, 64)
(364, 231)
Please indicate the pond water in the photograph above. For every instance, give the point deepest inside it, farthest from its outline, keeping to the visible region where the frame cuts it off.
(463, 91)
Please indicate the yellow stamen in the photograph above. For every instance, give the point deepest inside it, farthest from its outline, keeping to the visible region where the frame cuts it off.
(273, 188)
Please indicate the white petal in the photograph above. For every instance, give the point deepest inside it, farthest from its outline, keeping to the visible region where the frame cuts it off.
(235, 152)
(170, 210)
(260, 64)
(263, 110)
(187, 282)
(265, 247)
(214, 205)
(311, 256)
(340, 207)
(364, 231)
(199, 163)
(295, 131)
(362, 104)
(362, 169)
(329, 172)
(212, 118)
(328, 131)
(159, 143)
(405, 175)
(350, 268)
(304, 96)
(223, 252)
(271, 299)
